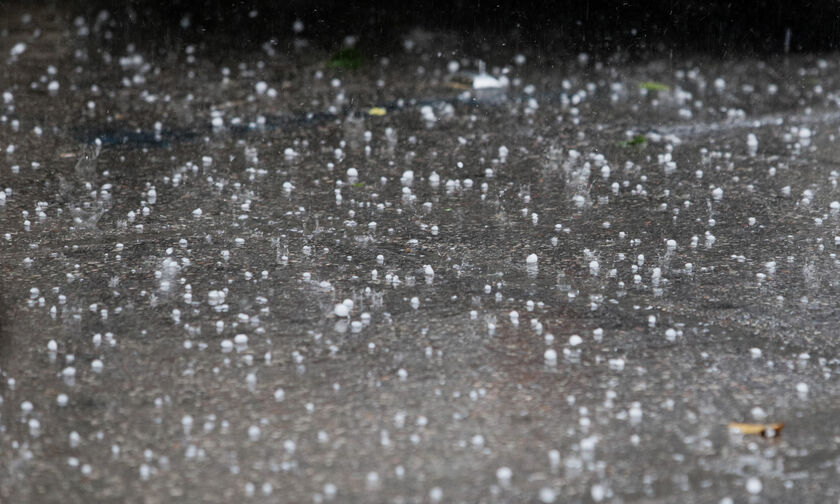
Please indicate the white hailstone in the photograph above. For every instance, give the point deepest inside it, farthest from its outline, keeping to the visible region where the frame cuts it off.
(656, 276)
(53, 86)
(197, 213)
(532, 259)
(227, 345)
(96, 366)
(407, 178)
(717, 193)
(755, 353)
(575, 340)
(670, 334)
(547, 495)
(16, 50)
(69, 372)
(279, 395)
(352, 173)
(802, 389)
(415, 302)
(240, 339)
(372, 480)
(261, 87)
(330, 490)
(267, 488)
(434, 179)
(754, 485)
(187, 423)
(554, 455)
(514, 317)
(504, 474)
(550, 356)
(671, 244)
(218, 122)
(804, 133)
(594, 268)
(52, 346)
(62, 400)
(341, 310)
(616, 364)
(636, 411)
(253, 432)
(597, 492)
(752, 141)
(348, 303)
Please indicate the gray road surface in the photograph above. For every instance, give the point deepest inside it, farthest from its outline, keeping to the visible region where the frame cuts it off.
(169, 328)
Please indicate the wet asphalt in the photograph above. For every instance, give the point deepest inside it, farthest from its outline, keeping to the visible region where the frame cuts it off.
(261, 277)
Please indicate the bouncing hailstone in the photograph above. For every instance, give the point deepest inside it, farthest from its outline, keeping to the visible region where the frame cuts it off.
(754, 485)
(504, 474)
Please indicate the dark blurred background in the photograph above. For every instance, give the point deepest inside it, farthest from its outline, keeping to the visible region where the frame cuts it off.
(715, 27)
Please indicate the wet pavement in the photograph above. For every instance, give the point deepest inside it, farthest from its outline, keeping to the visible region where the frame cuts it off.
(255, 276)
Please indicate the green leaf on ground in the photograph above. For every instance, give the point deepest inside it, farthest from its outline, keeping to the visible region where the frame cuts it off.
(346, 58)
(637, 141)
(654, 86)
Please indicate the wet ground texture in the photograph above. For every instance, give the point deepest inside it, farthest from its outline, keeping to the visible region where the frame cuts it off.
(269, 277)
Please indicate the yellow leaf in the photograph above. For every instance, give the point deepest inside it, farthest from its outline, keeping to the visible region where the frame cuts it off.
(756, 429)
(377, 111)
